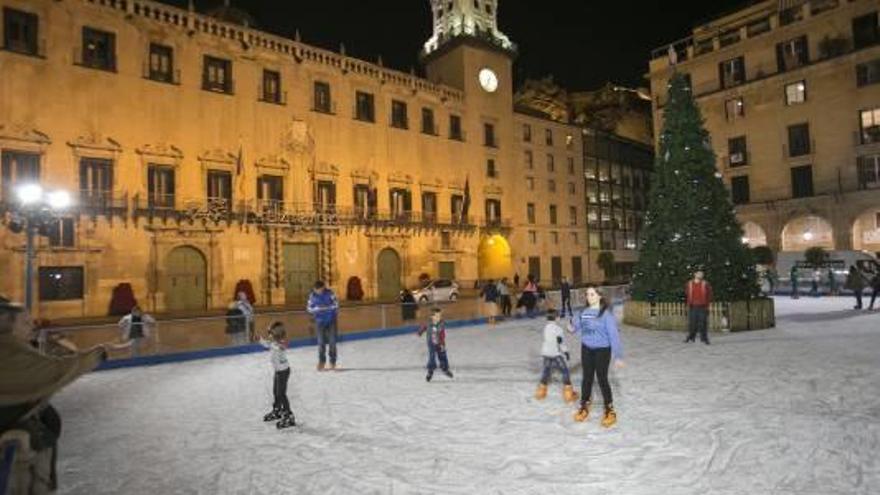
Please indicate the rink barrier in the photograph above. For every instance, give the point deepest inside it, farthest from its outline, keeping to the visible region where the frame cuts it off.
(736, 316)
(178, 357)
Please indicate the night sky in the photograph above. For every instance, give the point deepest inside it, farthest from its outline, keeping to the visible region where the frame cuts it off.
(582, 43)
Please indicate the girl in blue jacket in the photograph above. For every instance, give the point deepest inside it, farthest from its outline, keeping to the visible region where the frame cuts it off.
(600, 341)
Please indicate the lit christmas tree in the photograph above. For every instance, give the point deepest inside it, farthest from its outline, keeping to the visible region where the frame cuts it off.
(690, 223)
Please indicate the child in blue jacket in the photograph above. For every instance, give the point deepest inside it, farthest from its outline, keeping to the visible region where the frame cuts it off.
(600, 341)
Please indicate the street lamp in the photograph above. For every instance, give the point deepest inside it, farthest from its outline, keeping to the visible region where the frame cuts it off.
(36, 210)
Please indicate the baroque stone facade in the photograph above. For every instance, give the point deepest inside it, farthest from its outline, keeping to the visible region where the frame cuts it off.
(202, 152)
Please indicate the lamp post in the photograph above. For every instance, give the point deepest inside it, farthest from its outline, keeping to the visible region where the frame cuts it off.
(37, 209)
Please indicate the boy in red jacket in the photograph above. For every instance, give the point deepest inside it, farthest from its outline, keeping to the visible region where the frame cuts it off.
(699, 295)
(436, 337)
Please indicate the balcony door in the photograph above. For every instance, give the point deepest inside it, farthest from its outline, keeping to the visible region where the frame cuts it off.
(95, 181)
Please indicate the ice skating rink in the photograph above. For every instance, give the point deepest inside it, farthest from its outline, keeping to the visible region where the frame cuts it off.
(795, 410)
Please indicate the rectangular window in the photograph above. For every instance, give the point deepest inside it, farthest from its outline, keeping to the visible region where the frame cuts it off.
(739, 189)
(548, 137)
(160, 186)
(217, 75)
(551, 164)
(17, 168)
(321, 101)
(791, 15)
(552, 214)
(554, 238)
(428, 126)
(869, 172)
(758, 27)
(802, 181)
(455, 128)
(95, 181)
(868, 73)
(271, 87)
(533, 237)
(530, 213)
(738, 154)
(732, 72)
(401, 203)
(161, 64)
(62, 233)
(362, 201)
(530, 159)
(865, 31)
(61, 283)
(446, 243)
(399, 118)
(220, 187)
(799, 140)
(577, 269)
(572, 188)
(365, 107)
(819, 6)
(869, 125)
(493, 211)
(571, 165)
(795, 93)
(489, 135)
(429, 206)
(569, 141)
(325, 196)
(530, 183)
(551, 185)
(20, 31)
(491, 171)
(728, 38)
(572, 215)
(734, 109)
(792, 54)
(456, 207)
(527, 133)
(98, 49)
(270, 191)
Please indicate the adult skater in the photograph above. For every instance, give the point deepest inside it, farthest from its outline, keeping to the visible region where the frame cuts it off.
(277, 345)
(324, 307)
(855, 282)
(435, 331)
(29, 380)
(236, 325)
(565, 290)
(793, 278)
(503, 290)
(698, 294)
(555, 356)
(136, 327)
(814, 283)
(600, 342)
(489, 293)
(408, 305)
(832, 282)
(529, 297)
(875, 288)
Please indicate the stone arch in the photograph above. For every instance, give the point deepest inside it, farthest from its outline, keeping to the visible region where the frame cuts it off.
(185, 283)
(803, 232)
(753, 234)
(495, 260)
(866, 230)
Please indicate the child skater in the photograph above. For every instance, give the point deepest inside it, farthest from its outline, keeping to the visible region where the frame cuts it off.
(600, 341)
(436, 337)
(277, 345)
(555, 354)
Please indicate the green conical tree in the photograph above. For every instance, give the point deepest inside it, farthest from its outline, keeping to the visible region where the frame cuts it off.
(690, 222)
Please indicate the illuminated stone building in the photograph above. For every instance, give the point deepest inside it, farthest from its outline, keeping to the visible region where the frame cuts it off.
(790, 94)
(203, 152)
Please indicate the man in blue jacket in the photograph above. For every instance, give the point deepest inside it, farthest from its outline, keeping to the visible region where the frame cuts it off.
(324, 307)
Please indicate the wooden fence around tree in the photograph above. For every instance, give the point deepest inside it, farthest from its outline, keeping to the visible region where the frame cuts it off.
(734, 316)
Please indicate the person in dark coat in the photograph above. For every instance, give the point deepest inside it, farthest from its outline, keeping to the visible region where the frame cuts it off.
(855, 282)
(408, 305)
(565, 289)
(875, 288)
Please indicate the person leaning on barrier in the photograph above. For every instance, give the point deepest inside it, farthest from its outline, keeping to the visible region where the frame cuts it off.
(236, 325)
(247, 309)
(324, 307)
(29, 379)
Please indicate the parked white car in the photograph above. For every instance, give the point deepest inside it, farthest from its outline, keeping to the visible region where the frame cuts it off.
(437, 290)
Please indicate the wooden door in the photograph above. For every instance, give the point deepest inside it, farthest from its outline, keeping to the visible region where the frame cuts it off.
(388, 271)
(300, 271)
(186, 280)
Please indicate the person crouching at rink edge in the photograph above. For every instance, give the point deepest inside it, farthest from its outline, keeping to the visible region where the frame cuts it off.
(600, 341)
(277, 345)
(436, 338)
(555, 354)
(135, 327)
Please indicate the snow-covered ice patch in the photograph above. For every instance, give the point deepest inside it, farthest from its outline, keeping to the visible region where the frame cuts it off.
(792, 410)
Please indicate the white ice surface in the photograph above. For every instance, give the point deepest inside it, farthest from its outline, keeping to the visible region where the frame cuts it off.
(794, 410)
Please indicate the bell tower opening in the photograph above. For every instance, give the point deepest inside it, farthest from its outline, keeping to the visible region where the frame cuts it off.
(475, 19)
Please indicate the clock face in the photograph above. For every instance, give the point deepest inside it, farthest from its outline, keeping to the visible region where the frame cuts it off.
(488, 80)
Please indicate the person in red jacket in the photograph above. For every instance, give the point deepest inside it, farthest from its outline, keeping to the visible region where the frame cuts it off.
(699, 295)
